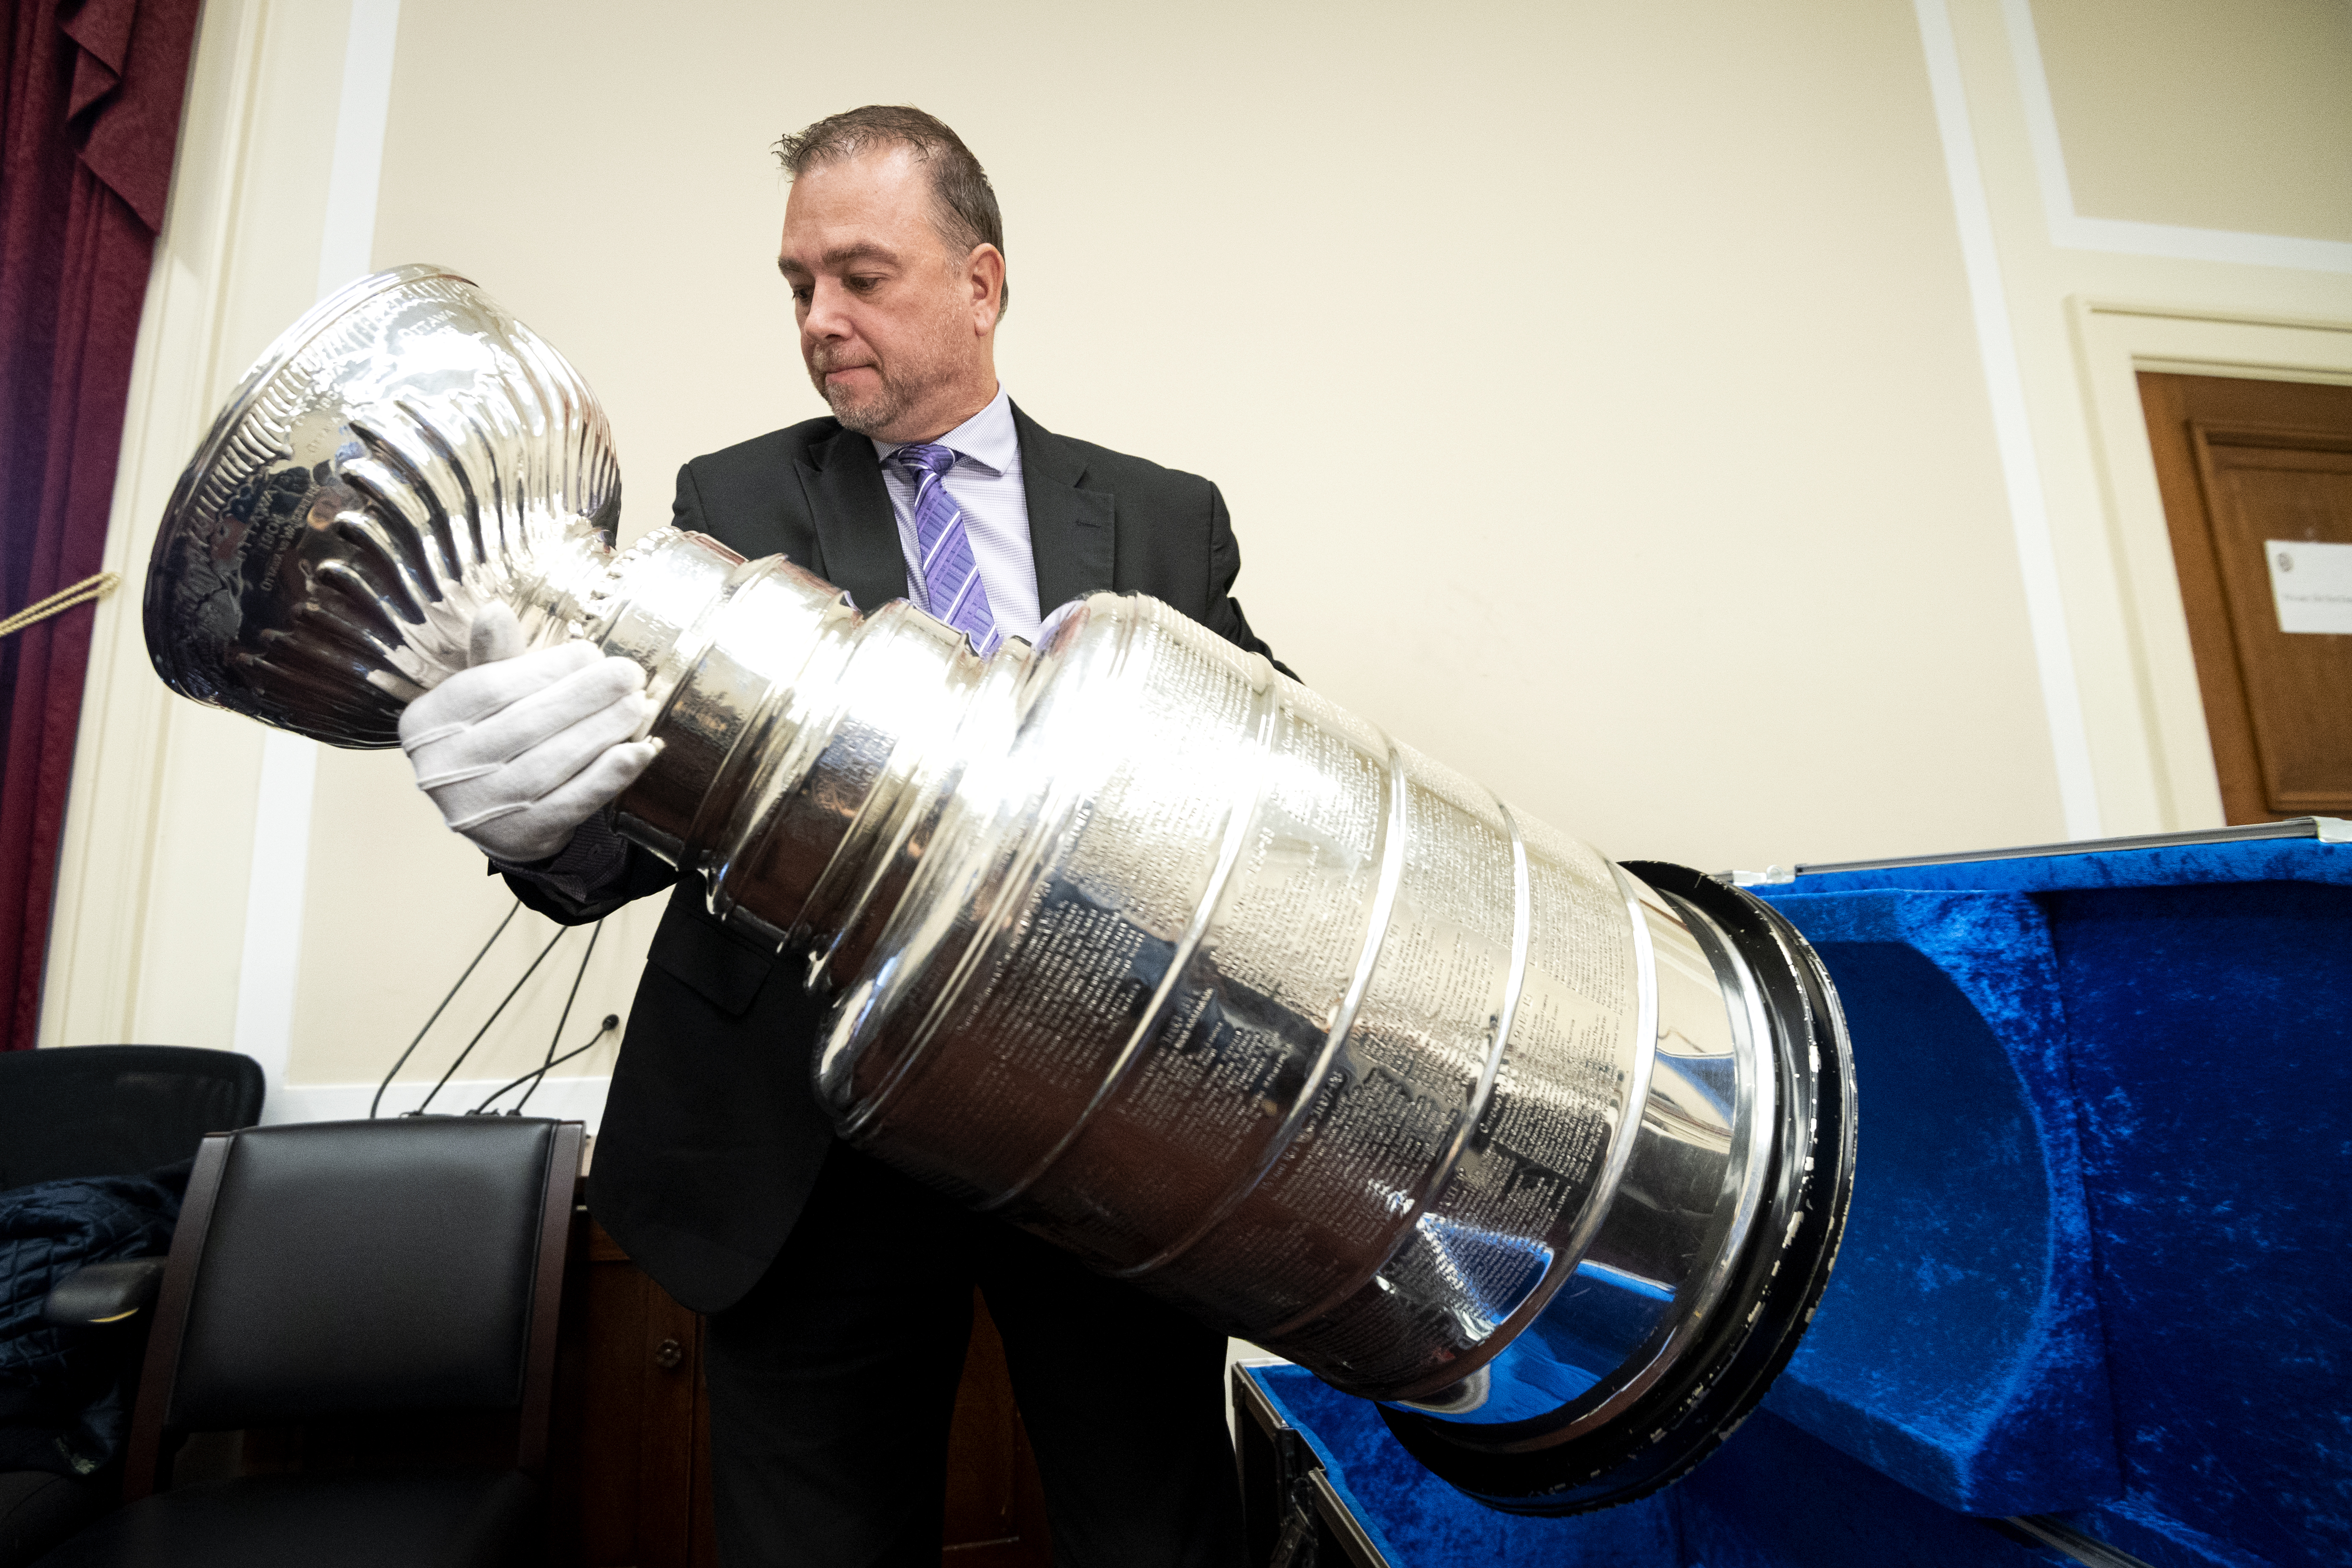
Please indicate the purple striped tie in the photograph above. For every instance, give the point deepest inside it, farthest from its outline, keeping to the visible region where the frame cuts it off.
(951, 584)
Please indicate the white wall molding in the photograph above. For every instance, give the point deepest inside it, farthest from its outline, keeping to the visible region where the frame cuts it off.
(2070, 230)
(178, 913)
(271, 960)
(270, 968)
(2020, 467)
(348, 242)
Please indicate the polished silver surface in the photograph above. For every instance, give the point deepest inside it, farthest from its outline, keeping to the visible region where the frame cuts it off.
(1661, 1261)
(1133, 941)
(403, 455)
(1213, 984)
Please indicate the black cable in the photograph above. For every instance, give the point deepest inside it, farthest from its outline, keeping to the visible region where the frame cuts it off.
(493, 1018)
(556, 1035)
(611, 1022)
(402, 1062)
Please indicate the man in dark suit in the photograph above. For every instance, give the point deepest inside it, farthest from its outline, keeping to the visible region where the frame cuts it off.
(839, 1292)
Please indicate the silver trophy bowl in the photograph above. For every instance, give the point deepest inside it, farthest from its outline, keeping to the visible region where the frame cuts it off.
(1131, 941)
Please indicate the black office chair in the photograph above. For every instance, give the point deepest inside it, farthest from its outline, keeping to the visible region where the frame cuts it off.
(113, 1111)
(328, 1271)
(102, 1110)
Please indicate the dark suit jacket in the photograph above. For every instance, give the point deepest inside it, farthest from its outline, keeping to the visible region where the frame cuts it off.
(711, 1135)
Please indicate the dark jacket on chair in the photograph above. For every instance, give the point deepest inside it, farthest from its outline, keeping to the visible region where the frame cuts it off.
(712, 1134)
(63, 1405)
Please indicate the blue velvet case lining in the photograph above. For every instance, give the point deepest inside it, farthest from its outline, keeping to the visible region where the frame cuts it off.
(2095, 1262)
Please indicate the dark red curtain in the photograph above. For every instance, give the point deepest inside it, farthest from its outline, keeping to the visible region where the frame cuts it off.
(87, 125)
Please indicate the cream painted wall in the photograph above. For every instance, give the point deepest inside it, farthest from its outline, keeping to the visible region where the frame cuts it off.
(1593, 390)
(1611, 401)
(2182, 111)
(396, 906)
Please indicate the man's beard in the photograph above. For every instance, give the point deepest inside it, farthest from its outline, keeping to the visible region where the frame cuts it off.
(920, 367)
(866, 415)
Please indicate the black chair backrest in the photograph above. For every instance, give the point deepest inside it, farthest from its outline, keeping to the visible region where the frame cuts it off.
(348, 1268)
(113, 1111)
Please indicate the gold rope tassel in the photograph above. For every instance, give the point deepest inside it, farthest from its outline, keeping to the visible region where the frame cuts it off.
(81, 592)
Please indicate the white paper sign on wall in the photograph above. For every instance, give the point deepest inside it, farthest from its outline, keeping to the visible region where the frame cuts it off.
(2312, 584)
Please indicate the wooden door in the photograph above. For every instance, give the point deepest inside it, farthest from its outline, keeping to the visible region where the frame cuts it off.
(2257, 484)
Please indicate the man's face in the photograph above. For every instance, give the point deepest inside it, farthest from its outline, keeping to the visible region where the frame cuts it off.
(895, 326)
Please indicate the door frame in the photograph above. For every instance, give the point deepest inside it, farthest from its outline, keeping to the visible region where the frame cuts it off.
(2114, 341)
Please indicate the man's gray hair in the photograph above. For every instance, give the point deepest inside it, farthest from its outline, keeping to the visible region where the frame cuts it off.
(963, 204)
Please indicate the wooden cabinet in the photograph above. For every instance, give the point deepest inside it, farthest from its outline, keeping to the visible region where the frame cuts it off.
(630, 1455)
(995, 1508)
(631, 1459)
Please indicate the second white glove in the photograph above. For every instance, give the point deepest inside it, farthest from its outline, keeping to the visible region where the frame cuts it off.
(518, 749)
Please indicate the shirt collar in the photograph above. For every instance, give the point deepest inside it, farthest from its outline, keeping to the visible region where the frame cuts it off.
(988, 438)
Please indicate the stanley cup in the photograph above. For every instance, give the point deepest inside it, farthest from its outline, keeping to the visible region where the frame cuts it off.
(1131, 941)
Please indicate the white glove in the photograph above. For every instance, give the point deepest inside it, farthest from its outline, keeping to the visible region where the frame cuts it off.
(518, 749)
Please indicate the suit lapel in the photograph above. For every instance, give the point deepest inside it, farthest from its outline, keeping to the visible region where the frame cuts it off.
(856, 532)
(1072, 531)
